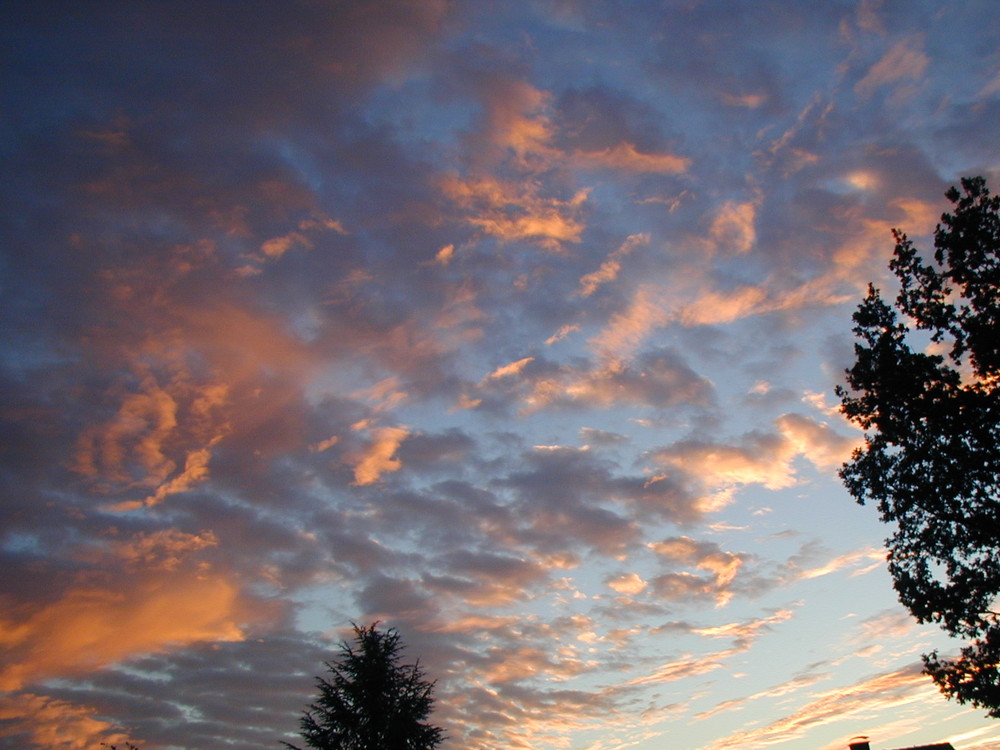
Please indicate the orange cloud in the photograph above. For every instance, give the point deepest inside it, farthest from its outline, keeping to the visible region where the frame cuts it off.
(195, 470)
(715, 307)
(697, 303)
(815, 441)
(743, 632)
(750, 101)
(516, 118)
(138, 446)
(47, 722)
(629, 583)
(160, 550)
(761, 459)
(138, 431)
(627, 329)
(562, 333)
(178, 399)
(624, 156)
(511, 665)
(724, 566)
(795, 685)
(277, 246)
(659, 380)
(514, 368)
(609, 268)
(514, 211)
(90, 627)
(764, 462)
(379, 456)
(444, 256)
(383, 395)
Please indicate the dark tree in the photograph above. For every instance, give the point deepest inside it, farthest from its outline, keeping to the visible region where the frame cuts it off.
(925, 387)
(370, 701)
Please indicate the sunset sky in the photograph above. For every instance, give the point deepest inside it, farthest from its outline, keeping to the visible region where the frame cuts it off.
(512, 325)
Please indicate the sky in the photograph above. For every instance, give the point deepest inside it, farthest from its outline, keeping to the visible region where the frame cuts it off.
(512, 325)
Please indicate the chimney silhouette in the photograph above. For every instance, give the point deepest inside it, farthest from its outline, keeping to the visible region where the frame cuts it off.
(859, 743)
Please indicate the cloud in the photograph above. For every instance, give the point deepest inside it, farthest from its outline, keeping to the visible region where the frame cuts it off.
(793, 686)
(815, 441)
(625, 157)
(889, 691)
(743, 634)
(870, 558)
(45, 722)
(759, 458)
(599, 127)
(627, 583)
(723, 566)
(516, 210)
(891, 625)
(732, 229)
(627, 329)
(658, 379)
(274, 248)
(516, 117)
(514, 368)
(158, 550)
(499, 579)
(904, 61)
(378, 457)
(91, 626)
(611, 266)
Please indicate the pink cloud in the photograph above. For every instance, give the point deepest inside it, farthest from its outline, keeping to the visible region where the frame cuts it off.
(904, 61)
(733, 228)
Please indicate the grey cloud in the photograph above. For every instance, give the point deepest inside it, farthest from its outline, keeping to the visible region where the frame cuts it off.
(185, 698)
(682, 587)
(430, 452)
(492, 566)
(599, 118)
(594, 436)
(574, 492)
(402, 598)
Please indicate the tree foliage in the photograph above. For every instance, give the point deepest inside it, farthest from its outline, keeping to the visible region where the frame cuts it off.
(369, 700)
(931, 457)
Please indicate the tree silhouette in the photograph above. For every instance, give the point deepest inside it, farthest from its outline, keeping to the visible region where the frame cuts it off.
(370, 701)
(931, 457)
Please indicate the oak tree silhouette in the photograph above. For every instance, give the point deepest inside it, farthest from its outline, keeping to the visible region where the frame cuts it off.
(925, 387)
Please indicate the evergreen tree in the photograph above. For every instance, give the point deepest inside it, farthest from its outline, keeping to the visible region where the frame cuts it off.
(370, 701)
